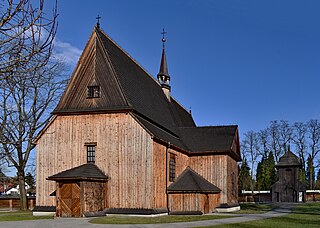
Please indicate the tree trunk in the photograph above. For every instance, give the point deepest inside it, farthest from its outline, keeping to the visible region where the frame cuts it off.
(23, 194)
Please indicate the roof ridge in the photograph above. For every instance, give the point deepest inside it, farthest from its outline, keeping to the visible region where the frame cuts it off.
(126, 53)
(212, 126)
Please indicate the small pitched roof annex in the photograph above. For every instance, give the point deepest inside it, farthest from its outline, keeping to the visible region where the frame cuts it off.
(87, 171)
(190, 181)
(289, 159)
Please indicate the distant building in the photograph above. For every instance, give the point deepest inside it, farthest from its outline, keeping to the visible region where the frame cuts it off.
(289, 188)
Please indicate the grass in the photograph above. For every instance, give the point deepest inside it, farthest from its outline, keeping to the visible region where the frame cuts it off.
(305, 215)
(154, 220)
(20, 215)
(251, 208)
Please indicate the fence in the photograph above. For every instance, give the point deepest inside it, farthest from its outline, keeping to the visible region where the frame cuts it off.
(13, 202)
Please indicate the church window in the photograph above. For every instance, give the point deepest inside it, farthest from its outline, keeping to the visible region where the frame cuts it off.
(172, 168)
(91, 153)
(93, 92)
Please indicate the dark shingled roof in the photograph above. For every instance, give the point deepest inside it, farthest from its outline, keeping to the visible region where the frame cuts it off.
(206, 139)
(126, 86)
(289, 159)
(87, 171)
(190, 181)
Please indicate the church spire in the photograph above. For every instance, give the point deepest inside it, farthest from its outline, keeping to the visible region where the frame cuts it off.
(163, 75)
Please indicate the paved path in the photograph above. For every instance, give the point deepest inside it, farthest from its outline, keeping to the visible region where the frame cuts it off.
(83, 222)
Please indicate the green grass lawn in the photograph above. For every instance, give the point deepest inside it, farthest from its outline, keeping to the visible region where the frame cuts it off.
(304, 215)
(20, 215)
(251, 208)
(153, 220)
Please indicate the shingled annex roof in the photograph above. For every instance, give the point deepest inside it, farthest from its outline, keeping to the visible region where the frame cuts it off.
(209, 139)
(126, 87)
(191, 182)
(289, 159)
(87, 171)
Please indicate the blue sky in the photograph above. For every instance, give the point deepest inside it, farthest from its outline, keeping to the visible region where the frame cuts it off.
(233, 62)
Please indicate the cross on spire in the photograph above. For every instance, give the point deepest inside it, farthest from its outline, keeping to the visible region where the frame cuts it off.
(163, 38)
(98, 21)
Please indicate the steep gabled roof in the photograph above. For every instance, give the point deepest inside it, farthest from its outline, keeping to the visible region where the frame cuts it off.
(190, 181)
(126, 86)
(87, 171)
(93, 68)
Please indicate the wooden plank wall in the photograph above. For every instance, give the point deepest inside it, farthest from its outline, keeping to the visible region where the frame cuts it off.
(123, 152)
(232, 196)
(214, 169)
(159, 171)
(92, 196)
(193, 202)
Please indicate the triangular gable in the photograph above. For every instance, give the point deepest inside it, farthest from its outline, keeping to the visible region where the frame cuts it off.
(93, 68)
(191, 182)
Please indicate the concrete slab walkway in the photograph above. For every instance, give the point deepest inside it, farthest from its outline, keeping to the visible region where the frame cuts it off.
(84, 222)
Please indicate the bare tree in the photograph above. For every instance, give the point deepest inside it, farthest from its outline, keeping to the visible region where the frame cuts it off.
(264, 141)
(314, 137)
(299, 135)
(285, 135)
(250, 147)
(275, 145)
(29, 81)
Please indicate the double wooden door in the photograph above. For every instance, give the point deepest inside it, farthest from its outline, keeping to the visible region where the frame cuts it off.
(69, 200)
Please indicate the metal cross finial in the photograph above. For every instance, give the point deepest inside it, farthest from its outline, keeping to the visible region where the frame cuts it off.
(163, 39)
(98, 21)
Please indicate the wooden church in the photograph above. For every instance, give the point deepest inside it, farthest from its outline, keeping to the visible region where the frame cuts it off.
(118, 142)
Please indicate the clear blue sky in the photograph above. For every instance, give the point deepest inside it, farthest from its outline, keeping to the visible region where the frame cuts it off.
(234, 62)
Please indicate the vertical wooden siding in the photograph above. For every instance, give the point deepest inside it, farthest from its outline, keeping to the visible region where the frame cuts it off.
(92, 196)
(232, 168)
(159, 171)
(123, 152)
(193, 202)
(214, 169)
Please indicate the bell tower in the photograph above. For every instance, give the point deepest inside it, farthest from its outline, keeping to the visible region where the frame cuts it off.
(163, 75)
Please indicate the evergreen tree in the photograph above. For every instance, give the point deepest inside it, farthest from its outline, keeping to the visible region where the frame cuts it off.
(244, 176)
(310, 173)
(266, 172)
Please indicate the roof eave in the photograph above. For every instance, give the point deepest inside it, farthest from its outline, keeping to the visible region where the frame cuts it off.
(77, 179)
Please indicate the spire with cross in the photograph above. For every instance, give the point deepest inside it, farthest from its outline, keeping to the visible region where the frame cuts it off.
(163, 75)
(98, 21)
(163, 38)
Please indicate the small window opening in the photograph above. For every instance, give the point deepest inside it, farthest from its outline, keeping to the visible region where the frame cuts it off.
(91, 153)
(93, 92)
(172, 168)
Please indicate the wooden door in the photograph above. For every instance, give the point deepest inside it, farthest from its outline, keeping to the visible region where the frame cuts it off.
(69, 200)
